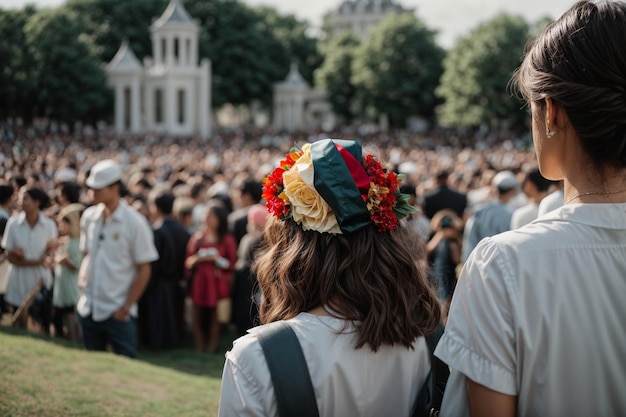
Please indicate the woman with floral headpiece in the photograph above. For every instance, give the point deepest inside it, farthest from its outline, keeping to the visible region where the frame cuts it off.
(348, 276)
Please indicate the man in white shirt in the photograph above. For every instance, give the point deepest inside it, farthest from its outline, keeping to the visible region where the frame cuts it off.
(493, 217)
(536, 187)
(119, 247)
(552, 201)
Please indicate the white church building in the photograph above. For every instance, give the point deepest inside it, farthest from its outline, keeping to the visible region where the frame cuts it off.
(171, 92)
(297, 106)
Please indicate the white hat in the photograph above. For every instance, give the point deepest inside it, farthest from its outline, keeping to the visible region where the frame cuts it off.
(505, 180)
(103, 174)
(65, 174)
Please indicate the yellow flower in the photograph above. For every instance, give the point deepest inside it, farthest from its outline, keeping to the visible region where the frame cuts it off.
(307, 206)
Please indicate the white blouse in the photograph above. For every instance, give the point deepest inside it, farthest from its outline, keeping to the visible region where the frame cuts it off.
(347, 381)
(34, 241)
(539, 313)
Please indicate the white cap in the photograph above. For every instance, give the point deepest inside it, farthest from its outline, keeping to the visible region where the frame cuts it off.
(65, 174)
(103, 174)
(505, 180)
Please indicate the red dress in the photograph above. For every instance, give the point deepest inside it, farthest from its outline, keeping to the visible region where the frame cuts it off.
(211, 283)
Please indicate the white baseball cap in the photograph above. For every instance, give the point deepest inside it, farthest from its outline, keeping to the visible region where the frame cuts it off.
(505, 180)
(103, 174)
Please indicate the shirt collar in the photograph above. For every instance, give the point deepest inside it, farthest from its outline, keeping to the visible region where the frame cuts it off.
(117, 215)
(21, 218)
(608, 216)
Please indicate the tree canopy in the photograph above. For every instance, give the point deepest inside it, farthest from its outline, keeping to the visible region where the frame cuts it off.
(396, 69)
(17, 84)
(477, 72)
(70, 84)
(335, 74)
(52, 61)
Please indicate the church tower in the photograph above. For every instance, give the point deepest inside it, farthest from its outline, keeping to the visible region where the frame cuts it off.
(174, 90)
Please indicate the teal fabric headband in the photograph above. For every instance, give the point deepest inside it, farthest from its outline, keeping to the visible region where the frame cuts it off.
(336, 185)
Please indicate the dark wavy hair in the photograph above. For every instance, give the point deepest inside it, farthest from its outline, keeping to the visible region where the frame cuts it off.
(37, 194)
(578, 61)
(217, 208)
(378, 281)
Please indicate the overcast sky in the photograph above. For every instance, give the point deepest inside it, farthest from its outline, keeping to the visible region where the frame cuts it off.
(451, 18)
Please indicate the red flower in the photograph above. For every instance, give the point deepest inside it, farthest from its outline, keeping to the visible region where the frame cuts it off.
(273, 186)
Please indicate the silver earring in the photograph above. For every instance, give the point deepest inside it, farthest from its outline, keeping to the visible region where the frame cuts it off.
(550, 133)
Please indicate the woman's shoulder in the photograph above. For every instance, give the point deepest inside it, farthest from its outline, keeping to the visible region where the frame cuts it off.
(247, 354)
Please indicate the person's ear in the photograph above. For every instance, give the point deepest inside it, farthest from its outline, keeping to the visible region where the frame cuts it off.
(556, 118)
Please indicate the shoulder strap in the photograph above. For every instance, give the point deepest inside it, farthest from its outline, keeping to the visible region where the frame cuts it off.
(429, 398)
(289, 371)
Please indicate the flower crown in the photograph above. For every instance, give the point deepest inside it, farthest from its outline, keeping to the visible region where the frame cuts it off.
(328, 186)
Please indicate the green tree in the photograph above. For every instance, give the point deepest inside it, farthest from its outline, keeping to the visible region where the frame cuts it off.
(396, 69)
(17, 85)
(336, 72)
(71, 85)
(109, 22)
(476, 74)
(245, 55)
(300, 47)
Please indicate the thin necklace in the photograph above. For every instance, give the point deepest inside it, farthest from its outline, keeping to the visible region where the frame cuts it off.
(606, 194)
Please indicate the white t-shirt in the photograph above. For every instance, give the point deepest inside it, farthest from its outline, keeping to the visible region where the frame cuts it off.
(552, 201)
(524, 215)
(115, 248)
(539, 313)
(34, 241)
(347, 381)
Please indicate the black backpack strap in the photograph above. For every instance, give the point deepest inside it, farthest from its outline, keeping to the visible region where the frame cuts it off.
(289, 371)
(429, 398)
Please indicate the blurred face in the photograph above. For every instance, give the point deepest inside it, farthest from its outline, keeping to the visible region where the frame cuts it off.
(64, 227)
(141, 207)
(211, 220)
(26, 203)
(103, 195)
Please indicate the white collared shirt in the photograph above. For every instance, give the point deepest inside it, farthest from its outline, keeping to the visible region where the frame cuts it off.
(34, 241)
(539, 313)
(346, 381)
(115, 248)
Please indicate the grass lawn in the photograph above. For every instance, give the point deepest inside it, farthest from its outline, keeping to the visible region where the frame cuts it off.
(42, 376)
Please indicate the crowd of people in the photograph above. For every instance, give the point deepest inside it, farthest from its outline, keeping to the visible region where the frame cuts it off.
(357, 247)
(201, 192)
(196, 195)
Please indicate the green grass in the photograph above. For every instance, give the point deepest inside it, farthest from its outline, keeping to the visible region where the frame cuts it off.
(42, 376)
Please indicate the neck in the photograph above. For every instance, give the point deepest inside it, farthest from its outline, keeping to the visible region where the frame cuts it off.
(610, 189)
(32, 218)
(110, 207)
(318, 311)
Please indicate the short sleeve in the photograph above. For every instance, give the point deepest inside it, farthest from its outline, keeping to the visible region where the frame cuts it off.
(82, 243)
(143, 248)
(479, 341)
(246, 384)
(8, 240)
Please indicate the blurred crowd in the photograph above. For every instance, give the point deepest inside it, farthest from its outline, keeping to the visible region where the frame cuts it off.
(465, 187)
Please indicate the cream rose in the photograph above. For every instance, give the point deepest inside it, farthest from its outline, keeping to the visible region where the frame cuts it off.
(307, 206)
